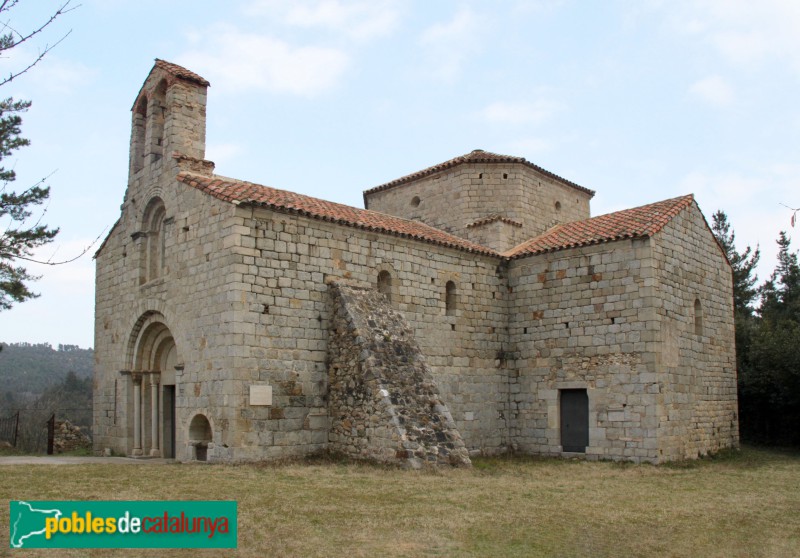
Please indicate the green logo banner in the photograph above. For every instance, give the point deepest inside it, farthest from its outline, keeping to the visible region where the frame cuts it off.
(122, 524)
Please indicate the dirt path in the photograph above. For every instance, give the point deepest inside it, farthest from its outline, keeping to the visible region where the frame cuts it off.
(73, 460)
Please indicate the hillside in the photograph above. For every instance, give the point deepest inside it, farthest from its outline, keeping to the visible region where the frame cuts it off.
(28, 370)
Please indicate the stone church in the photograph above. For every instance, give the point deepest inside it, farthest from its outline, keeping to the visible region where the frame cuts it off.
(473, 307)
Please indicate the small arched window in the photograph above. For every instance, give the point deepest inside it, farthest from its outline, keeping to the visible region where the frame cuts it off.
(155, 240)
(698, 317)
(385, 284)
(450, 299)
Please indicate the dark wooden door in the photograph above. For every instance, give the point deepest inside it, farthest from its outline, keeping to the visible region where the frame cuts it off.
(168, 436)
(574, 420)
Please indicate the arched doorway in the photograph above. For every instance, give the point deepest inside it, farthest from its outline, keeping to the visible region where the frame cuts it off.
(153, 357)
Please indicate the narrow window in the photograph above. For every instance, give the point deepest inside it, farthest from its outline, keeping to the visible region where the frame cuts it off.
(450, 299)
(385, 284)
(153, 246)
(158, 111)
(698, 317)
(415, 201)
(138, 135)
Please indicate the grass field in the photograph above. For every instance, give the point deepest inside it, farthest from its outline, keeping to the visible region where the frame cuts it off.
(743, 503)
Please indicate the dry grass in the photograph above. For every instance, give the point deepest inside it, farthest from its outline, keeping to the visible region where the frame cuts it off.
(743, 504)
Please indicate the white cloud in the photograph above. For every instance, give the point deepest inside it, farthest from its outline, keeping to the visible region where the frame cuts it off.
(67, 297)
(448, 45)
(752, 203)
(235, 61)
(53, 73)
(455, 30)
(526, 146)
(222, 152)
(532, 112)
(728, 188)
(537, 6)
(714, 90)
(359, 20)
(743, 31)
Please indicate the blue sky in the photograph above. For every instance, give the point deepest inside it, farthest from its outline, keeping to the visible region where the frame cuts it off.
(640, 100)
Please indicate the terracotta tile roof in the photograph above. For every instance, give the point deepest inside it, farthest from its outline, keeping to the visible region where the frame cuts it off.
(475, 156)
(240, 192)
(638, 222)
(492, 219)
(180, 72)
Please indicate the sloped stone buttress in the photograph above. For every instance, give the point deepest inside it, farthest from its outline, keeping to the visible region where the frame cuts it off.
(384, 404)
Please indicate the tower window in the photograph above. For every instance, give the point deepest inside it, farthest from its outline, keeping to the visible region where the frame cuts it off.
(156, 121)
(138, 135)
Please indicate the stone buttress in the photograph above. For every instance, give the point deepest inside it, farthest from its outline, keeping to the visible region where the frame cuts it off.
(384, 404)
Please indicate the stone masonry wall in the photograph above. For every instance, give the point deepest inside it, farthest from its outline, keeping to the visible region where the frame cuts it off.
(191, 297)
(283, 318)
(383, 402)
(698, 366)
(264, 319)
(455, 198)
(191, 294)
(585, 320)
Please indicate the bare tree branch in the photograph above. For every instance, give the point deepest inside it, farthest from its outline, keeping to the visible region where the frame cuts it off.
(794, 213)
(50, 261)
(13, 38)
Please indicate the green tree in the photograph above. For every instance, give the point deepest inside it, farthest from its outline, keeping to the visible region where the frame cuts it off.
(20, 236)
(770, 385)
(743, 264)
(745, 292)
(780, 295)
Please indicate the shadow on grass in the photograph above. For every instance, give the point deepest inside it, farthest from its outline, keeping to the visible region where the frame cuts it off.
(747, 457)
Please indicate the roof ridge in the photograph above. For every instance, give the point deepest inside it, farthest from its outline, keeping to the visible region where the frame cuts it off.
(474, 156)
(241, 192)
(181, 72)
(636, 222)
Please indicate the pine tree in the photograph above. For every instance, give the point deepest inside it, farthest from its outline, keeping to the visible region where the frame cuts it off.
(745, 291)
(780, 295)
(19, 237)
(743, 264)
(772, 384)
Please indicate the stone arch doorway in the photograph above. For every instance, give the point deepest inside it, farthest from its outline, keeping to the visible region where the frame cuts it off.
(200, 435)
(153, 359)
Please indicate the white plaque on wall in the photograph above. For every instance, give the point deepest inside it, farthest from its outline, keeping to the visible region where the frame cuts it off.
(260, 395)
